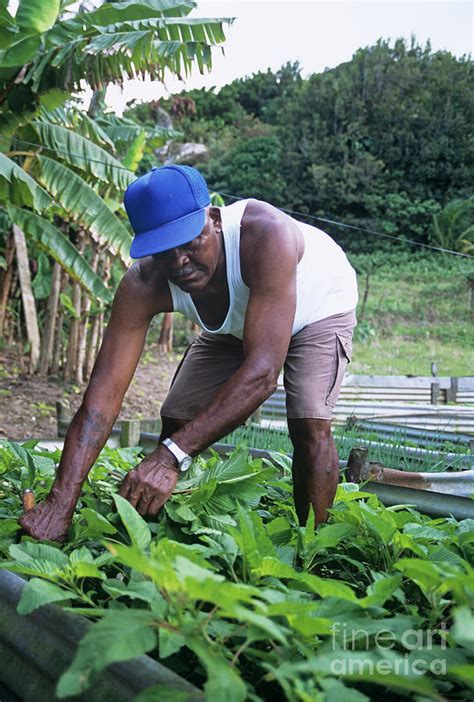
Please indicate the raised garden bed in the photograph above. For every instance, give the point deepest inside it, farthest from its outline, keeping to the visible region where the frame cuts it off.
(228, 592)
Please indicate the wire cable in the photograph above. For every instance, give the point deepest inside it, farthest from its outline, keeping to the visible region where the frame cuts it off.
(361, 229)
(283, 209)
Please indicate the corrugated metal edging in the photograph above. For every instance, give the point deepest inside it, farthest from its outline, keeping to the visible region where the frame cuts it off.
(408, 433)
(35, 649)
(435, 504)
(464, 382)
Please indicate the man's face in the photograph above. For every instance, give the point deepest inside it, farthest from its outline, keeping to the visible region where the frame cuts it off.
(192, 265)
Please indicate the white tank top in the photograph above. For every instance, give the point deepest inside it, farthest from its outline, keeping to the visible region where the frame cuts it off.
(325, 280)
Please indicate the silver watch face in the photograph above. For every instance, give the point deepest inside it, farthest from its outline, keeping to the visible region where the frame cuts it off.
(185, 464)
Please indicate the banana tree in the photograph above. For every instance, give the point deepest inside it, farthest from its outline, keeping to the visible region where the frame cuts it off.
(59, 169)
(453, 227)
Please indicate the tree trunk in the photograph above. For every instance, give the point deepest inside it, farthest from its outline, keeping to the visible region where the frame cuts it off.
(105, 277)
(92, 347)
(46, 353)
(165, 342)
(6, 280)
(57, 355)
(58, 337)
(82, 341)
(9, 322)
(72, 367)
(71, 359)
(29, 306)
(97, 102)
(84, 325)
(19, 345)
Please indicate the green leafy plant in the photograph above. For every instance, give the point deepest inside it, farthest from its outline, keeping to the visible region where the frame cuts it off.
(227, 589)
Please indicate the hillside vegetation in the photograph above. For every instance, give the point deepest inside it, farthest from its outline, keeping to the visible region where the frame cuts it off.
(418, 311)
(382, 141)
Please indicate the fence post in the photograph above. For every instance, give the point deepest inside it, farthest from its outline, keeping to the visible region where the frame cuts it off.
(434, 393)
(63, 416)
(130, 433)
(452, 392)
(470, 285)
(357, 464)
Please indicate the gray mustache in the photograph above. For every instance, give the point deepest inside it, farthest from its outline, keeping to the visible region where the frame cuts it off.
(183, 272)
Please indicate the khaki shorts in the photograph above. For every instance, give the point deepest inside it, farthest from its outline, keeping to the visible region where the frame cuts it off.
(314, 368)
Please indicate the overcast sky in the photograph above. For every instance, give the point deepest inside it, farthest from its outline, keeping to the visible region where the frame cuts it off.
(317, 34)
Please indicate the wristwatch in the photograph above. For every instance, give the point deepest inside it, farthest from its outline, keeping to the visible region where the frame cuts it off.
(184, 460)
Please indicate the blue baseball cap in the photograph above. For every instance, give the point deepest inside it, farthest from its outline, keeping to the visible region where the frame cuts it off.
(166, 208)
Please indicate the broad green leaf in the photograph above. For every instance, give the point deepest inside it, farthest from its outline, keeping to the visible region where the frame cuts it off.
(98, 526)
(338, 692)
(37, 15)
(32, 551)
(26, 460)
(8, 527)
(310, 626)
(170, 642)
(380, 524)
(464, 672)
(60, 248)
(38, 566)
(83, 204)
(423, 573)
(119, 636)
(53, 98)
(84, 569)
(273, 567)
(235, 467)
(279, 530)
(82, 153)
(107, 14)
(462, 630)
(144, 591)
(135, 525)
(161, 693)
(327, 587)
(381, 590)
(251, 537)
(394, 681)
(20, 52)
(405, 541)
(37, 593)
(331, 535)
(420, 531)
(135, 151)
(223, 681)
(18, 187)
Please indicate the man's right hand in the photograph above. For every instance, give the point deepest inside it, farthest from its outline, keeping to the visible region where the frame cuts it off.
(48, 521)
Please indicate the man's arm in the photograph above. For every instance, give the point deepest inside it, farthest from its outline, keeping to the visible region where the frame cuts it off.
(132, 311)
(271, 276)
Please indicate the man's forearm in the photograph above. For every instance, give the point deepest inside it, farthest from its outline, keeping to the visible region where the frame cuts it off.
(86, 436)
(234, 402)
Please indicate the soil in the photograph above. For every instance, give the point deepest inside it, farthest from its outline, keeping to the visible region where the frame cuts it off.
(28, 403)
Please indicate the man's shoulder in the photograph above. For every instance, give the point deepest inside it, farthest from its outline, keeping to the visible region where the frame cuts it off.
(146, 283)
(259, 216)
(267, 232)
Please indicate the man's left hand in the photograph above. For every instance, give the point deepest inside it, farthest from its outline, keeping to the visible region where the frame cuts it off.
(149, 485)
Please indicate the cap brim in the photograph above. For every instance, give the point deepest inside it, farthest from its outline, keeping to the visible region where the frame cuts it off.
(169, 235)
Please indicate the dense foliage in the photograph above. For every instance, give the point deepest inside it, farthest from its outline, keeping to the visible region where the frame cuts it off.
(226, 589)
(384, 140)
(63, 171)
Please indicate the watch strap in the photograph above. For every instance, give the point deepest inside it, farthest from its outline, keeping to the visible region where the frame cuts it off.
(183, 458)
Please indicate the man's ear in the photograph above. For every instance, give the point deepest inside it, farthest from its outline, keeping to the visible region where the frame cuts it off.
(215, 215)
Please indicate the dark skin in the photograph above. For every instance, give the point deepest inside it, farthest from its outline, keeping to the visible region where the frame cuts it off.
(270, 248)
